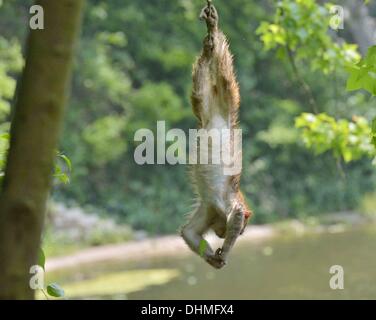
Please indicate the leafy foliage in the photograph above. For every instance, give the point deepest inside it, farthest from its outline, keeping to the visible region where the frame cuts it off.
(134, 68)
(347, 140)
(63, 167)
(106, 138)
(363, 74)
(302, 27)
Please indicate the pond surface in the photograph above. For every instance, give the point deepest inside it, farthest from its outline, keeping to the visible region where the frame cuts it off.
(293, 267)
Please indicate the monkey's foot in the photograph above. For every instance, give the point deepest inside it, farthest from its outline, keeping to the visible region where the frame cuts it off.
(210, 15)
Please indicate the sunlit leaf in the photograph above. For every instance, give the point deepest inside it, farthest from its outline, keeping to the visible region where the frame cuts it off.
(67, 161)
(54, 290)
(202, 247)
(348, 140)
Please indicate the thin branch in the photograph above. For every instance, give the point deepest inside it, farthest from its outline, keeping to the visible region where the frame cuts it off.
(340, 169)
(44, 292)
(306, 88)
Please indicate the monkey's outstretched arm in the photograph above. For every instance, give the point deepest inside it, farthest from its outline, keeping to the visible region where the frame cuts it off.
(192, 234)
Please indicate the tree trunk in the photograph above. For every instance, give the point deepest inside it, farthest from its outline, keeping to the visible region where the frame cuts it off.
(37, 120)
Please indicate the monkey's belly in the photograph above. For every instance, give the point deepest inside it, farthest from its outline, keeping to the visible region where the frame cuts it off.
(212, 185)
(211, 181)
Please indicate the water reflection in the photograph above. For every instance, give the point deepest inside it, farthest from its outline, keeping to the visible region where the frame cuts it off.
(283, 268)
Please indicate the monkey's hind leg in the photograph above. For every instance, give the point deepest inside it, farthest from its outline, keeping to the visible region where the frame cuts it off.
(216, 49)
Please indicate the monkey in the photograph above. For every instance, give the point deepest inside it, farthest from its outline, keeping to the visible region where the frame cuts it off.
(215, 99)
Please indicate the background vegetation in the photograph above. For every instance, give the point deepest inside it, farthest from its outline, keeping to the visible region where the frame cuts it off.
(133, 69)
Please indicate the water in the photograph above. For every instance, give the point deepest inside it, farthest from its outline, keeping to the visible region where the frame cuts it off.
(283, 268)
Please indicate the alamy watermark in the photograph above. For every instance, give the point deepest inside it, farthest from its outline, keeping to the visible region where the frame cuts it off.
(337, 21)
(222, 147)
(37, 279)
(37, 20)
(337, 280)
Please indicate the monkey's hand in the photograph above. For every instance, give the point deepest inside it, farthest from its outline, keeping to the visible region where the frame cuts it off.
(216, 260)
(210, 15)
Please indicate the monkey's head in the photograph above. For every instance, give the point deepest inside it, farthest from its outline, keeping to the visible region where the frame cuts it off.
(247, 215)
(245, 210)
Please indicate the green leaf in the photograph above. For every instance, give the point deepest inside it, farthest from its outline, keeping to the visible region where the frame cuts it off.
(363, 74)
(5, 136)
(67, 161)
(54, 290)
(202, 247)
(62, 177)
(59, 173)
(41, 258)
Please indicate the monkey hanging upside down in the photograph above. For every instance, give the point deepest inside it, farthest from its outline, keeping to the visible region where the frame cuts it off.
(215, 102)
